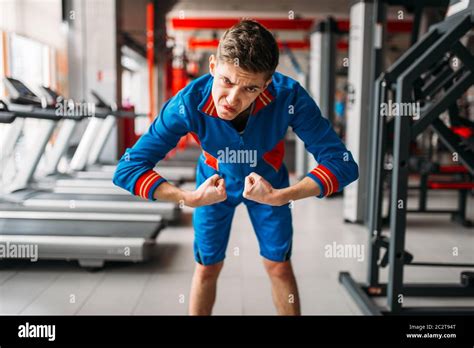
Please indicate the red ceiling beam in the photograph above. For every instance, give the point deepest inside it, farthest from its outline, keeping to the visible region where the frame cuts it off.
(194, 43)
(202, 43)
(225, 23)
(393, 26)
(295, 44)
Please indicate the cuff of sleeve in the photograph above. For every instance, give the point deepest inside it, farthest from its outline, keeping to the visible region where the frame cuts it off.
(154, 187)
(147, 184)
(326, 180)
(320, 184)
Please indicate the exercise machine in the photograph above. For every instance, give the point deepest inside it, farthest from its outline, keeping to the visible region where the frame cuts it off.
(91, 238)
(44, 196)
(85, 161)
(412, 70)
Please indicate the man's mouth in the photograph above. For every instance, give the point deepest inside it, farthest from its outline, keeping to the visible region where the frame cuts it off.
(228, 108)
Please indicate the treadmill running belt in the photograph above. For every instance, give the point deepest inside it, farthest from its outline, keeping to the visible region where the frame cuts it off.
(118, 229)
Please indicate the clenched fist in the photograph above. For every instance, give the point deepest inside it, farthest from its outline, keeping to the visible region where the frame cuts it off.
(209, 192)
(260, 190)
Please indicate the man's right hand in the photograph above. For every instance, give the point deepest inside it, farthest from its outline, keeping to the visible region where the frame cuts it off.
(209, 192)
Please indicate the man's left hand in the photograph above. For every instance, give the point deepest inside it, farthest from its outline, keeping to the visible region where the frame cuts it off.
(260, 190)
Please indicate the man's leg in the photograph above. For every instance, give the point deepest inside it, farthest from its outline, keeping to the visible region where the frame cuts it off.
(284, 288)
(203, 288)
(212, 224)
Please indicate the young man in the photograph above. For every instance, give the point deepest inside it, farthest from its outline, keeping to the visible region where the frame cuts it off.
(240, 113)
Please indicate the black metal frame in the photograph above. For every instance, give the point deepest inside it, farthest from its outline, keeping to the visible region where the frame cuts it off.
(328, 29)
(441, 77)
(400, 80)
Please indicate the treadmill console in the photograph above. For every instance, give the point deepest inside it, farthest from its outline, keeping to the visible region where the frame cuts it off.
(50, 95)
(19, 93)
(99, 101)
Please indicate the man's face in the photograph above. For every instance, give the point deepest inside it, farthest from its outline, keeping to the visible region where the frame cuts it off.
(234, 89)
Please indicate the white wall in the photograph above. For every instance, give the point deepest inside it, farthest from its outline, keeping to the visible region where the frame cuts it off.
(37, 19)
(92, 60)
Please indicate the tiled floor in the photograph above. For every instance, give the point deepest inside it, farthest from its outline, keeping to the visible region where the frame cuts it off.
(161, 286)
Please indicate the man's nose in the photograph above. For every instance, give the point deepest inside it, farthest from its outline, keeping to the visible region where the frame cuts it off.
(232, 97)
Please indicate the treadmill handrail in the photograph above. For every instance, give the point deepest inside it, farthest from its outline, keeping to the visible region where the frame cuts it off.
(7, 117)
(30, 111)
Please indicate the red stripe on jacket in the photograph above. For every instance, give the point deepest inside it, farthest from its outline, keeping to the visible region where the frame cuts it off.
(328, 179)
(145, 182)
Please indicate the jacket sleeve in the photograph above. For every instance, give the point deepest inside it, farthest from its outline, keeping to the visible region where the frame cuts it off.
(336, 167)
(134, 171)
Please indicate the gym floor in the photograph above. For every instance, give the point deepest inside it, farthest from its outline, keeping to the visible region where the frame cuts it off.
(161, 286)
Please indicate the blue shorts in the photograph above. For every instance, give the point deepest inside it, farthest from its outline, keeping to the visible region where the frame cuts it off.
(212, 223)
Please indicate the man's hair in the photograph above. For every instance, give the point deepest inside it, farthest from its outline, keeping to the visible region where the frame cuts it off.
(251, 46)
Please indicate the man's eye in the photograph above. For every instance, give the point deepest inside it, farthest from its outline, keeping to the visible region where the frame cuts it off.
(227, 81)
(251, 89)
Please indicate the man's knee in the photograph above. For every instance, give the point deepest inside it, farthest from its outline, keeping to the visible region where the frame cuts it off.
(279, 270)
(208, 272)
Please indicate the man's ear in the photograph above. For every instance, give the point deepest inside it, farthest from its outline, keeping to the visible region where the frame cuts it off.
(268, 82)
(212, 64)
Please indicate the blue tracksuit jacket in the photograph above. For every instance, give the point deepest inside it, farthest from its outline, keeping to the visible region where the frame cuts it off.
(283, 104)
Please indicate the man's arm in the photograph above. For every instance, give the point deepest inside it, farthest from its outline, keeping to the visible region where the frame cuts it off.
(135, 172)
(169, 192)
(303, 189)
(209, 192)
(336, 168)
(260, 190)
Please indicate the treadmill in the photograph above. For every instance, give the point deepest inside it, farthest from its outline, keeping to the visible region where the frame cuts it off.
(85, 162)
(41, 197)
(90, 238)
